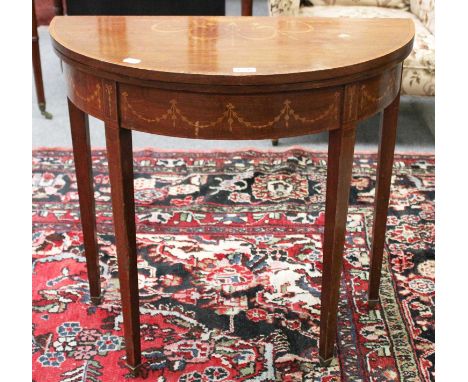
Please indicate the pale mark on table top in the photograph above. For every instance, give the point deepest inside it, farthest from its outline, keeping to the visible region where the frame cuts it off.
(131, 60)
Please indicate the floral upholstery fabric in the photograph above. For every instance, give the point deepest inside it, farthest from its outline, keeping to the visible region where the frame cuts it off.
(284, 7)
(401, 4)
(419, 67)
(424, 9)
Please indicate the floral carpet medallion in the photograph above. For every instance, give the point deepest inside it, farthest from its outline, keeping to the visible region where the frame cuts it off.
(230, 248)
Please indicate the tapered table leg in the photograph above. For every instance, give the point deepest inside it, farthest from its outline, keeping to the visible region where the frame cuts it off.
(84, 178)
(388, 128)
(120, 158)
(340, 163)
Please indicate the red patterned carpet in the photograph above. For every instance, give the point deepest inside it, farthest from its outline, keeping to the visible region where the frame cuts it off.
(230, 268)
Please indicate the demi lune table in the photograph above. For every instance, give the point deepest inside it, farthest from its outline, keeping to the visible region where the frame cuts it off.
(231, 78)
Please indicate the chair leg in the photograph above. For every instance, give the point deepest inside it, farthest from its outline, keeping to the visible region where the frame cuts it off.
(246, 7)
(36, 60)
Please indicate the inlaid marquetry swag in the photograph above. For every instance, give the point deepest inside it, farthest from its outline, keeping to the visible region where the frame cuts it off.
(230, 78)
(230, 117)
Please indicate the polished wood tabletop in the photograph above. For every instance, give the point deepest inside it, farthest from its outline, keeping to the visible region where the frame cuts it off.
(231, 78)
(190, 49)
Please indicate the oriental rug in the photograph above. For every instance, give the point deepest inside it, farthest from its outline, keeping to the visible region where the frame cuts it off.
(230, 248)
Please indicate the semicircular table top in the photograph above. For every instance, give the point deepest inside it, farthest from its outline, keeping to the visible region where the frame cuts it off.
(232, 50)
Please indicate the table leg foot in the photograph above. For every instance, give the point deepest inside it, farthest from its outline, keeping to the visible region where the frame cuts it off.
(141, 370)
(275, 142)
(44, 112)
(325, 362)
(96, 300)
(372, 303)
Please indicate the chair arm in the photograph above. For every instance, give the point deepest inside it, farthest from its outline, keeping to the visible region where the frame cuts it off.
(424, 10)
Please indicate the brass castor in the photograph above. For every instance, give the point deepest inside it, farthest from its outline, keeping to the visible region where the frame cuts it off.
(140, 370)
(275, 142)
(325, 362)
(372, 303)
(44, 112)
(96, 300)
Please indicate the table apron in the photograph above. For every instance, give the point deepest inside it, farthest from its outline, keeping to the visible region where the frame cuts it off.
(230, 116)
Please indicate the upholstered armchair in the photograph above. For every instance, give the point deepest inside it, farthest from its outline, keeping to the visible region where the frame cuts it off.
(419, 67)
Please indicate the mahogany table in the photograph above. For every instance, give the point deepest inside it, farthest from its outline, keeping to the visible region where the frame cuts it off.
(231, 78)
